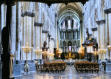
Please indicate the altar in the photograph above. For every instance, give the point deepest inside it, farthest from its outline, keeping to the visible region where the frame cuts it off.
(69, 55)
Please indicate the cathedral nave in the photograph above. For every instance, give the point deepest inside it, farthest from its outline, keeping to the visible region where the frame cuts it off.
(55, 39)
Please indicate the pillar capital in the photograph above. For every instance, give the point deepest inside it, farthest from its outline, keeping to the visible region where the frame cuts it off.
(100, 22)
(26, 13)
(107, 11)
(38, 24)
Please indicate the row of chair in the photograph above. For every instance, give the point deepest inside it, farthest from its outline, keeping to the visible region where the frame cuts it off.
(85, 66)
(51, 67)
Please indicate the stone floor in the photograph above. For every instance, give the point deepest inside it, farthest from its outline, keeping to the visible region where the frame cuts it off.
(70, 73)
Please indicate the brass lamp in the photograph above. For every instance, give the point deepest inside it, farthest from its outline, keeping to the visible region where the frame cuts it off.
(37, 51)
(45, 54)
(60, 52)
(27, 49)
(11, 65)
(51, 55)
(102, 51)
(81, 51)
(109, 50)
(95, 53)
(109, 47)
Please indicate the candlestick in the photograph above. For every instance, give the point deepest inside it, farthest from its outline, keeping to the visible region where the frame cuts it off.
(38, 51)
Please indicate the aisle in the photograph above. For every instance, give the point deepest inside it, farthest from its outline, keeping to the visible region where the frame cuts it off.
(69, 73)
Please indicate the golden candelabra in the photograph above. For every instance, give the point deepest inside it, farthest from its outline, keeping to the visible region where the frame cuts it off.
(45, 55)
(50, 55)
(81, 51)
(38, 51)
(27, 49)
(59, 52)
(109, 47)
(45, 52)
(109, 50)
(102, 52)
(95, 53)
(11, 65)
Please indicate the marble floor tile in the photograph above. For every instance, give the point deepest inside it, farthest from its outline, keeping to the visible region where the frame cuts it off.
(69, 73)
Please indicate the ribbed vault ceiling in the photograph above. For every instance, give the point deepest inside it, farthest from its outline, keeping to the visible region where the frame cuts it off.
(77, 7)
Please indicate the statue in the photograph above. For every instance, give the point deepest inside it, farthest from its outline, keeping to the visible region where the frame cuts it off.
(44, 49)
(88, 35)
(90, 41)
(44, 46)
(87, 32)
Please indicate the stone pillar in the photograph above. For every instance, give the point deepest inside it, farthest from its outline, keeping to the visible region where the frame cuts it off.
(5, 43)
(107, 29)
(32, 43)
(57, 35)
(81, 32)
(23, 36)
(18, 29)
(29, 34)
(101, 35)
(0, 46)
(18, 22)
(98, 34)
(37, 33)
(56, 30)
(36, 42)
(13, 39)
(13, 30)
(3, 17)
(40, 37)
(107, 12)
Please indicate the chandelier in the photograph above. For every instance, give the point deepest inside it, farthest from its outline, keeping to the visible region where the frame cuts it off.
(109, 47)
(102, 51)
(27, 49)
(38, 51)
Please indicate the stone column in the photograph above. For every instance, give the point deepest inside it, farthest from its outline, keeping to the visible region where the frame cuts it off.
(13, 39)
(37, 35)
(81, 32)
(32, 35)
(56, 30)
(23, 35)
(5, 43)
(3, 17)
(40, 37)
(13, 30)
(0, 46)
(28, 34)
(101, 34)
(98, 34)
(107, 29)
(107, 11)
